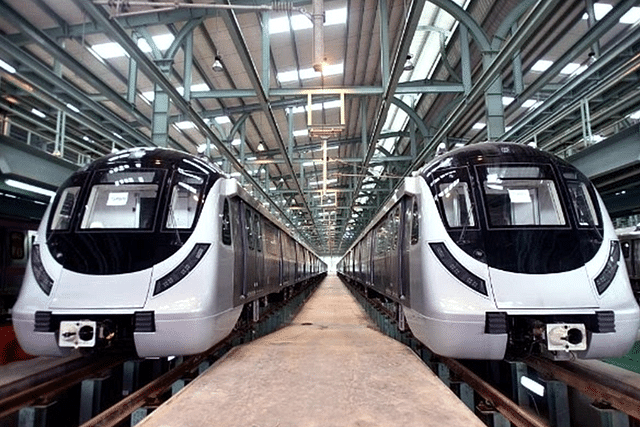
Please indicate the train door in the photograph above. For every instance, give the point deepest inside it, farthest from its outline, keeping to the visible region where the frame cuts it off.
(404, 238)
(236, 217)
(260, 255)
(250, 258)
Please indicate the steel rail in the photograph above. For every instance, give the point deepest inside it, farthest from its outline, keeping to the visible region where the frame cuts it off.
(44, 391)
(507, 407)
(595, 385)
(121, 410)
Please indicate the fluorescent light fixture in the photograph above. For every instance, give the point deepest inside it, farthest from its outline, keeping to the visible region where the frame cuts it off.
(73, 108)
(631, 17)
(531, 103)
(108, 50)
(38, 113)
(301, 132)
(221, 120)
(506, 100)
(600, 9)
(542, 65)
(28, 187)
(307, 164)
(236, 141)
(531, 385)
(7, 67)
(235, 174)
(478, 126)
(573, 68)
(635, 116)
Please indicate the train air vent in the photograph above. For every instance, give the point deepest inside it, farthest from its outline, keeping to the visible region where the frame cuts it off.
(609, 271)
(43, 322)
(495, 323)
(144, 321)
(605, 322)
(455, 268)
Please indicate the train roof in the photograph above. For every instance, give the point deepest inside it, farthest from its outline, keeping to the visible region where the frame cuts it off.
(489, 152)
(153, 157)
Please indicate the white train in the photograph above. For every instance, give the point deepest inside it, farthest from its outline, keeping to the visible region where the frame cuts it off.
(157, 249)
(498, 249)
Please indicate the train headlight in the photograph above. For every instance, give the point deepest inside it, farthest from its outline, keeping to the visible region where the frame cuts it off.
(457, 269)
(184, 268)
(604, 279)
(42, 278)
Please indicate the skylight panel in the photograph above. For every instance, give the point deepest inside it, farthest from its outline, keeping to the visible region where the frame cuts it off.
(478, 126)
(300, 22)
(162, 42)
(631, 17)
(288, 76)
(573, 68)
(309, 73)
(600, 9)
(221, 120)
(336, 17)
(185, 125)
(542, 65)
(108, 50)
(301, 132)
(506, 100)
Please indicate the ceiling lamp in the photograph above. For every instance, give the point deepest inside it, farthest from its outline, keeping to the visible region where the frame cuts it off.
(408, 65)
(217, 64)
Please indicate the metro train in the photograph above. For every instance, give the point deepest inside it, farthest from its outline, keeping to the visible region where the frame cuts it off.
(155, 249)
(498, 250)
(630, 245)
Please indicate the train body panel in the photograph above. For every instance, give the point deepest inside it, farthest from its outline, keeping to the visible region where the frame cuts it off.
(171, 278)
(510, 250)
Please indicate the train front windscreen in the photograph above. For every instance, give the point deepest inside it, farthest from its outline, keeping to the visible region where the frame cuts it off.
(520, 217)
(124, 218)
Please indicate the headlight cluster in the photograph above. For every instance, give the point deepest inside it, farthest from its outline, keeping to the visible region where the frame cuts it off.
(604, 279)
(44, 280)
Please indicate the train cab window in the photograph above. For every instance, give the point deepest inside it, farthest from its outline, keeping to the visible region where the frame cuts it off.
(415, 223)
(66, 203)
(582, 204)
(122, 199)
(186, 196)
(451, 190)
(521, 196)
(226, 224)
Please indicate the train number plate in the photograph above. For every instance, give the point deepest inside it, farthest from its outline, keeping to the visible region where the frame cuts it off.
(77, 333)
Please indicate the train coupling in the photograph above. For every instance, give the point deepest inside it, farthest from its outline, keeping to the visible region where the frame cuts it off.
(85, 333)
(566, 337)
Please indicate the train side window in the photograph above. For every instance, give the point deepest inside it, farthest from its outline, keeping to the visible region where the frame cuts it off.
(582, 204)
(258, 232)
(66, 203)
(185, 197)
(415, 223)
(226, 224)
(626, 249)
(250, 231)
(17, 245)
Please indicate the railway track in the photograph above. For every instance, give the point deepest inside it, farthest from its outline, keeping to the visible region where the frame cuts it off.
(41, 387)
(602, 389)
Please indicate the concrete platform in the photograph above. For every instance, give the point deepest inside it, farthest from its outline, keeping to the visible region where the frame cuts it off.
(330, 367)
